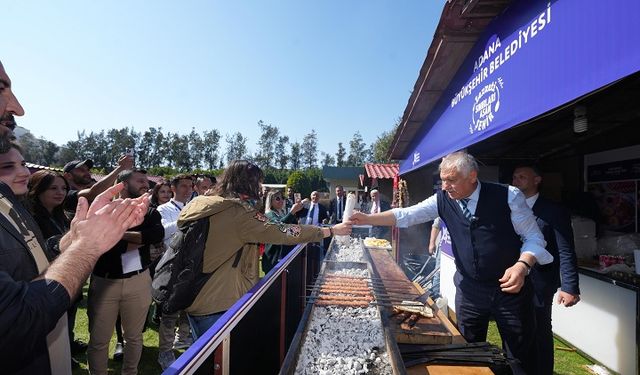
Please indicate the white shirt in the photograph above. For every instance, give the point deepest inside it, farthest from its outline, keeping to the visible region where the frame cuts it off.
(312, 220)
(170, 212)
(532, 200)
(524, 223)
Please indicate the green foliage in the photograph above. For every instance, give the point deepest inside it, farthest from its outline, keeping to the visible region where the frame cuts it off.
(236, 147)
(162, 171)
(304, 182)
(309, 150)
(276, 176)
(358, 152)
(380, 148)
(299, 182)
(340, 155)
(296, 156)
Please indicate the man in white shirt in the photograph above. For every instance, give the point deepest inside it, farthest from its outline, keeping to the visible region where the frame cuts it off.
(495, 241)
(316, 214)
(181, 187)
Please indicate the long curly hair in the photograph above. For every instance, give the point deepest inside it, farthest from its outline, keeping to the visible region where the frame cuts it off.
(240, 177)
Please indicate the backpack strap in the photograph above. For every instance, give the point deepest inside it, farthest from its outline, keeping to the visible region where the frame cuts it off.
(238, 256)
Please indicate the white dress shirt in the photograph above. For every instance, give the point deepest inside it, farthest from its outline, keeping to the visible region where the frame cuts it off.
(532, 200)
(170, 212)
(524, 223)
(313, 220)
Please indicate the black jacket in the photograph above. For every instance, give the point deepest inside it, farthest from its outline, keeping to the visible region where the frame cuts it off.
(322, 214)
(555, 224)
(333, 209)
(28, 310)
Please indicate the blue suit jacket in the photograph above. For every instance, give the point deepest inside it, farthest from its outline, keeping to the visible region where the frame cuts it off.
(555, 224)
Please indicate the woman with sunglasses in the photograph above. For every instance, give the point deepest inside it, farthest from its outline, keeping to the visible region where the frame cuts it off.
(275, 211)
(236, 227)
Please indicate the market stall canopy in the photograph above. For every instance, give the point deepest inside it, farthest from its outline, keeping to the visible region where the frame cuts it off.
(461, 24)
(381, 170)
(532, 59)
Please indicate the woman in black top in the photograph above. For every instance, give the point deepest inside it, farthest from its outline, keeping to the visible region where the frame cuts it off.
(47, 192)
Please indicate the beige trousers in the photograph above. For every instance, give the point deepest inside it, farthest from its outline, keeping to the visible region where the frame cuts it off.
(131, 298)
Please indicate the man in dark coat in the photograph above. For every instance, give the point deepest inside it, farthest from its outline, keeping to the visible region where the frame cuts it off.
(555, 224)
(336, 205)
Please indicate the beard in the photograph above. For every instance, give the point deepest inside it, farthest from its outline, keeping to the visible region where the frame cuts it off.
(133, 192)
(8, 120)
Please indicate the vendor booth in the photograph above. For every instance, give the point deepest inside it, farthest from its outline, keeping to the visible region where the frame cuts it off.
(554, 83)
(551, 82)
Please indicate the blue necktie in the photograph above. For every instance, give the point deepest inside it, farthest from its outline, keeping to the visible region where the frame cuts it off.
(465, 209)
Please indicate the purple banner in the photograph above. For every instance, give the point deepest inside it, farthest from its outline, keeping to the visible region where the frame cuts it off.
(534, 57)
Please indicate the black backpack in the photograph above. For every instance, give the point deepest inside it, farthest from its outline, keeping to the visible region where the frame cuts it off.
(179, 278)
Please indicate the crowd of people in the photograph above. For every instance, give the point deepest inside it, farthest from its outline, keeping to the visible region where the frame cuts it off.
(59, 228)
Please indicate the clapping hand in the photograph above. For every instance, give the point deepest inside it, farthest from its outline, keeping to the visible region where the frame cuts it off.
(100, 226)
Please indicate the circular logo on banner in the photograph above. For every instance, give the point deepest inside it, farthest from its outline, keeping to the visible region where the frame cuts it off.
(485, 106)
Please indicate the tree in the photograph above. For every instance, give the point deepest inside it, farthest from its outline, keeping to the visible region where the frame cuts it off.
(236, 147)
(309, 149)
(358, 152)
(296, 156)
(145, 150)
(282, 158)
(380, 148)
(328, 160)
(340, 155)
(196, 149)
(211, 142)
(266, 155)
(299, 182)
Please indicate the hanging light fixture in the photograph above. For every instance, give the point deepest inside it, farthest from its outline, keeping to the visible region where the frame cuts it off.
(580, 123)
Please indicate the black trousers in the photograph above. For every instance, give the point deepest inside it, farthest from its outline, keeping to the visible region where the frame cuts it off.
(476, 303)
(544, 333)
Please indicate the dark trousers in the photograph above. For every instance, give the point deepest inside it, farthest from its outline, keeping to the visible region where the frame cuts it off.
(476, 303)
(544, 333)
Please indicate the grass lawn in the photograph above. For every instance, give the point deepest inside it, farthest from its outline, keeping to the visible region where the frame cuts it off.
(566, 362)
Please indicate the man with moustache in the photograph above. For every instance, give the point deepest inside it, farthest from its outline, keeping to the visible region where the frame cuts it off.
(495, 241)
(78, 175)
(120, 283)
(9, 105)
(555, 223)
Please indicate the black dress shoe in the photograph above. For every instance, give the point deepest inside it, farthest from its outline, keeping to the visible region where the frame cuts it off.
(119, 352)
(78, 347)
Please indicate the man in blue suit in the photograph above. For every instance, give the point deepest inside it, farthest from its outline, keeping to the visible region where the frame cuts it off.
(555, 225)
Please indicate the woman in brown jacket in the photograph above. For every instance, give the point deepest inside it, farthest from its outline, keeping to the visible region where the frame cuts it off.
(231, 250)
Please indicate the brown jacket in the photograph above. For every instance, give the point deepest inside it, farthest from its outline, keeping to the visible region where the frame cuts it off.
(231, 251)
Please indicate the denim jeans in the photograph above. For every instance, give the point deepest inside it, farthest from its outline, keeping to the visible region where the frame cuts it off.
(200, 324)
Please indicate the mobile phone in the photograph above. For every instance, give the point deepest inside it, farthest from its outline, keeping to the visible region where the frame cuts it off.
(297, 197)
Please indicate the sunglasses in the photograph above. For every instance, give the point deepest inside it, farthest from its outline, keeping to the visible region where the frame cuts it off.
(277, 198)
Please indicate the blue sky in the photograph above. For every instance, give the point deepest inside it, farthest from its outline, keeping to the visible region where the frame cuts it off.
(334, 66)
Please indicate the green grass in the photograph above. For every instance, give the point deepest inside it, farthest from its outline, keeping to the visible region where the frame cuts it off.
(566, 362)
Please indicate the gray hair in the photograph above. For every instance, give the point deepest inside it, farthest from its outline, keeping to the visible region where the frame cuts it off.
(459, 161)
